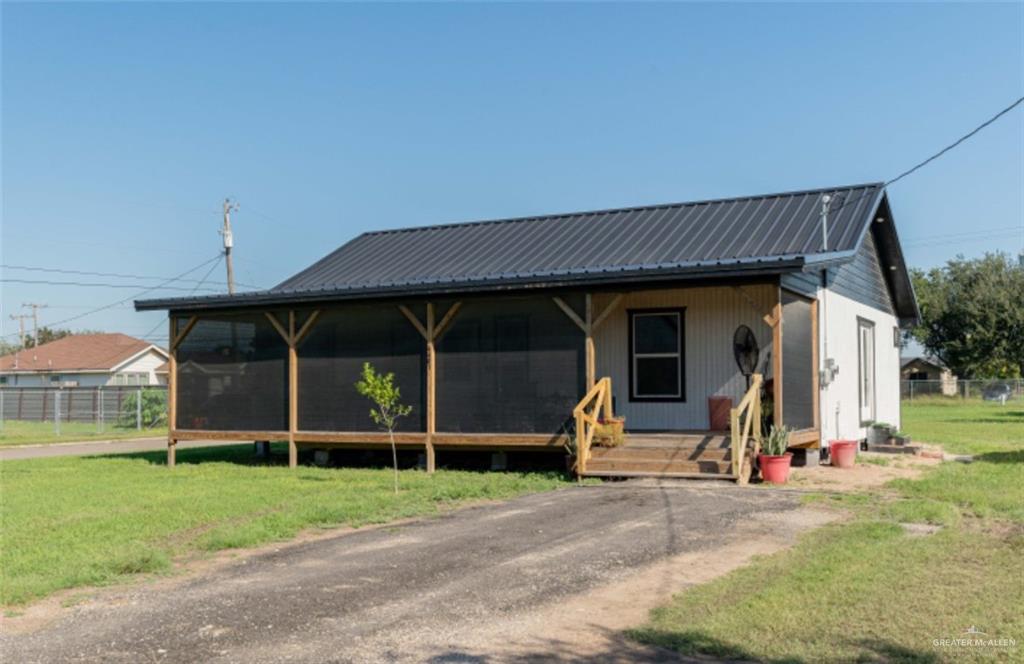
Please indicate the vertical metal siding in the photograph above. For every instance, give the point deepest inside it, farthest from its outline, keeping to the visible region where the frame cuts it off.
(712, 316)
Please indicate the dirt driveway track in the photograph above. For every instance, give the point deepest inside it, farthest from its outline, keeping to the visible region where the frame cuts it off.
(546, 577)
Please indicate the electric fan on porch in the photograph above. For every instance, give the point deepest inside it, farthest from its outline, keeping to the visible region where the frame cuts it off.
(745, 350)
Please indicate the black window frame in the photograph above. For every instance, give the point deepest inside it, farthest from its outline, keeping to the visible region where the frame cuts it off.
(631, 316)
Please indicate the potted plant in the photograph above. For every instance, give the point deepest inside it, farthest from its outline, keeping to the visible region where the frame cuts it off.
(610, 432)
(898, 438)
(879, 433)
(774, 459)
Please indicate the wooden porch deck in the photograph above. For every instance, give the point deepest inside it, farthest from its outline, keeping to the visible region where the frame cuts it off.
(687, 454)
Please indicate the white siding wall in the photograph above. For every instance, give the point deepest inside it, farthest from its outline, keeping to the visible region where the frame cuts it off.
(842, 313)
(712, 316)
(146, 363)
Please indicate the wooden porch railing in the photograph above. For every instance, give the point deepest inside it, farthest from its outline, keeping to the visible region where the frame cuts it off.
(597, 403)
(745, 423)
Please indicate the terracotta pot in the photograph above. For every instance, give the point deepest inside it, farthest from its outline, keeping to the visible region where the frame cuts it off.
(843, 453)
(775, 469)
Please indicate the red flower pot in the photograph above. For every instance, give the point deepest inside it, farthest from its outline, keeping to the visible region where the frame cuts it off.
(775, 469)
(843, 453)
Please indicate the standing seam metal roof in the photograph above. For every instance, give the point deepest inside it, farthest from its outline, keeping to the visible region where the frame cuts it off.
(750, 230)
(593, 242)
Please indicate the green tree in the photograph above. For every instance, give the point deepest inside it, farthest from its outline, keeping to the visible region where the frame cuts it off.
(385, 395)
(154, 408)
(972, 315)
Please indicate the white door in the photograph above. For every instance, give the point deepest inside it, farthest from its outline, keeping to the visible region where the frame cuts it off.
(866, 369)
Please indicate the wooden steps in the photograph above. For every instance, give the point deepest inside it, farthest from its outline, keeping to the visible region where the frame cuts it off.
(689, 455)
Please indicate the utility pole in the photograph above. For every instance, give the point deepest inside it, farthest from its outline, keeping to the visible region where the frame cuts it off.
(229, 242)
(35, 319)
(21, 327)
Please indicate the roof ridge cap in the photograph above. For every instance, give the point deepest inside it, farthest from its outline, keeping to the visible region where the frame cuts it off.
(631, 208)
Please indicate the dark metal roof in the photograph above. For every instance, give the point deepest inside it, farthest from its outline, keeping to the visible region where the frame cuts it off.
(766, 234)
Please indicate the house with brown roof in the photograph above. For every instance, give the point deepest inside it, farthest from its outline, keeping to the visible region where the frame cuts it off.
(85, 360)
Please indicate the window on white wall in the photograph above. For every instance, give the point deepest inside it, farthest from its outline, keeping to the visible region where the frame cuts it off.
(866, 369)
(656, 355)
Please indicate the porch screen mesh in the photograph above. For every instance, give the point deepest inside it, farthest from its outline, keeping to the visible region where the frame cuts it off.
(797, 362)
(233, 375)
(514, 365)
(331, 360)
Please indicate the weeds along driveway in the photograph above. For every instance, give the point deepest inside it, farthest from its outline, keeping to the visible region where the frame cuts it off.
(452, 588)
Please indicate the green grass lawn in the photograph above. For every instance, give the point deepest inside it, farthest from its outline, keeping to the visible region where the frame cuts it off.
(866, 590)
(965, 427)
(20, 432)
(76, 521)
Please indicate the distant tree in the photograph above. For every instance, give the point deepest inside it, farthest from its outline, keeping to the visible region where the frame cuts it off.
(972, 315)
(46, 335)
(385, 395)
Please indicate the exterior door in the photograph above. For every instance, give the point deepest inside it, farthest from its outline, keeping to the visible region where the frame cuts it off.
(866, 369)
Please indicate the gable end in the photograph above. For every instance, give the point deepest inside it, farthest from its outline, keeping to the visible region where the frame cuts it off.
(862, 279)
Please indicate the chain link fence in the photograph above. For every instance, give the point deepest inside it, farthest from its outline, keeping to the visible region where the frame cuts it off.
(999, 390)
(84, 409)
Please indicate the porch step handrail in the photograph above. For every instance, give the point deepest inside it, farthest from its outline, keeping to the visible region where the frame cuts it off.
(586, 413)
(744, 425)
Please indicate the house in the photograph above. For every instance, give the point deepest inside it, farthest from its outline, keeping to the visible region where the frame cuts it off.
(929, 376)
(85, 360)
(524, 333)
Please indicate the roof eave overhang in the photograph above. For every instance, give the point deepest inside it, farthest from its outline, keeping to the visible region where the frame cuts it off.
(604, 279)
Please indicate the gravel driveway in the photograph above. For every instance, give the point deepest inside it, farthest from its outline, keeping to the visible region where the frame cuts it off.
(458, 587)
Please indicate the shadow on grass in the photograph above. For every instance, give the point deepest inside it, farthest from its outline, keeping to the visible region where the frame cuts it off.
(1016, 456)
(241, 454)
(700, 645)
(887, 651)
(244, 454)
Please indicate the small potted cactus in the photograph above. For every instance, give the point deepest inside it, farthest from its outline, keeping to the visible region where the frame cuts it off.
(774, 459)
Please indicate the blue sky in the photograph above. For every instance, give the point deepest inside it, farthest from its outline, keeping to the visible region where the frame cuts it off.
(125, 125)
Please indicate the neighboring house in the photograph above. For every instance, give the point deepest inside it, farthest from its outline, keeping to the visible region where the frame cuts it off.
(931, 375)
(509, 334)
(85, 360)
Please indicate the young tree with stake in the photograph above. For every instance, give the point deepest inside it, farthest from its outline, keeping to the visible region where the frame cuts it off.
(381, 390)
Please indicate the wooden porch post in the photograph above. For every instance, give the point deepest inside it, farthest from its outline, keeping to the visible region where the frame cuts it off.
(431, 388)
(431, 333)
(588, 330)
(293, 338)
(777, 362)
(172, 392)
(174, 339)
(293, 392)
(589, 324)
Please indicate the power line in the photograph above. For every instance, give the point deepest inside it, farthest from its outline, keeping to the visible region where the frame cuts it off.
(133, 296)
(89, 273)
(45, 282)
(163, 321)
(962, 234)
(981, 238)
(957, 142)
(935, 156)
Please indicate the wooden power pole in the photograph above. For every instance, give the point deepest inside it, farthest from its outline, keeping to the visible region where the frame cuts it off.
(21, 327)
(35, 319)
(229, 242)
